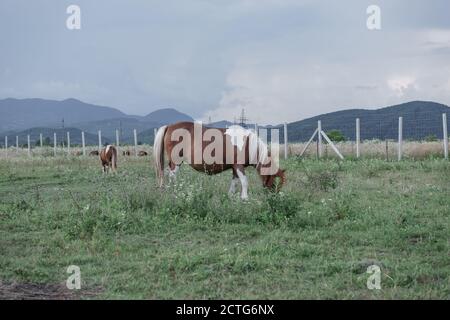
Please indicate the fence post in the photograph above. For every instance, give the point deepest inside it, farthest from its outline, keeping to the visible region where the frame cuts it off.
(135, 142)
(319, 139)
(400, 137)
(285, 141)
(358, 137)
(54, 144)
(387, 150)
(117, 138)
(68, 143)
(6, 146)
(28, 145)
(445, 134)
(40, 140)
(99, 140)
(17, 144)
(83, 143)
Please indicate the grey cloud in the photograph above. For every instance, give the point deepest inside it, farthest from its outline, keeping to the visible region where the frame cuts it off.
(211, 58)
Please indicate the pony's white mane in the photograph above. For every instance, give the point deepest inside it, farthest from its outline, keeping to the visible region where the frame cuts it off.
(107, 148)
(258, 149)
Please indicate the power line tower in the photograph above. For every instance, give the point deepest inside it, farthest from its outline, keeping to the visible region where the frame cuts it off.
(243, 119)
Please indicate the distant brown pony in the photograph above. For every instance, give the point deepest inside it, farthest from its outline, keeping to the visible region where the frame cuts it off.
(253, 152)
(93, 153)
(126, 153)
(142, 153)
(108, 158)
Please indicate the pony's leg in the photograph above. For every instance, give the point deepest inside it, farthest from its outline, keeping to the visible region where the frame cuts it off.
(244, 183)
(234, 181)
(173, 169)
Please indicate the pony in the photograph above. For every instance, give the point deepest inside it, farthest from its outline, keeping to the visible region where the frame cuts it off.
(108, 158)
(236, 149)
(142, 153)
(126, 153)
(94, 153)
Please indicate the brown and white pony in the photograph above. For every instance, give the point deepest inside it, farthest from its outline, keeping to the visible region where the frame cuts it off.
(252, 152)
(108, 158)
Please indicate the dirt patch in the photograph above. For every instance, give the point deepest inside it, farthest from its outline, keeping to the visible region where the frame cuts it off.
(38, 291)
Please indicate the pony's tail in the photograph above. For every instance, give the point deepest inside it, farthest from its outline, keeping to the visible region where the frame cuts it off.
(114, 158)
(158, 153)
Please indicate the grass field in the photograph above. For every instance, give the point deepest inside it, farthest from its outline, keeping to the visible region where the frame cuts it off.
(313, 240)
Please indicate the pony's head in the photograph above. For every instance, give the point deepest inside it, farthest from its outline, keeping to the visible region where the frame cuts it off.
(275, 181)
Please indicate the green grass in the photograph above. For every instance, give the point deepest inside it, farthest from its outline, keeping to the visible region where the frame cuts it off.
(313, 240)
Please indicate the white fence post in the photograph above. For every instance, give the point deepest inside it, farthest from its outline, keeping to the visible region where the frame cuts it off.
(6, 146)
(54, 144)
(29, 146)
(400, 137)
(358, 137)
(285, 141)
(445, 134)
(319, 139)
(99, 140)
(68, 143)
(41, 143)
(117, 138)
(332, 145)
(135, 142)
(83, 143)
(17, 144)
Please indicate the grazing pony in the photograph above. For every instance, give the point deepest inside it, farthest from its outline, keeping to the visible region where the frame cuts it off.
(108, 158)
(142, 153)
(94, 153)
(231, 151)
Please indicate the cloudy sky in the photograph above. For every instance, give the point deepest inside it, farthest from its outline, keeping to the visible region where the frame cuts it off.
(281, 60)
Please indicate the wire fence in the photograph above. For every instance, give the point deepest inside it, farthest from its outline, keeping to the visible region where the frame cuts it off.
(69, 143)
(413, 135)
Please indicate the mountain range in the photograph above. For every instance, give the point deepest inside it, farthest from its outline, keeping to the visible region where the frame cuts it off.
(22, 117)
(421, 119)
